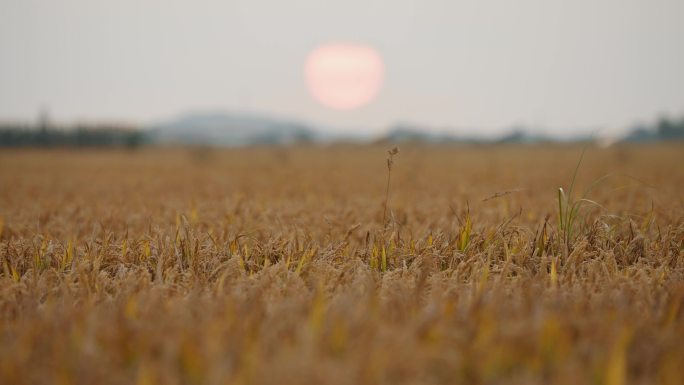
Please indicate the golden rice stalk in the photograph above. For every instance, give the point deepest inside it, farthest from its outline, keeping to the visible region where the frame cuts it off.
(464, 236)
(305, 258)
(374, 258)
(616, 370)
(68, 254)
(554, 273)
(124, 248)
(384, 259)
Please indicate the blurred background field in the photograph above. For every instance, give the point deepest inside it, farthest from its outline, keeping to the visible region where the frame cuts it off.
(429, 180)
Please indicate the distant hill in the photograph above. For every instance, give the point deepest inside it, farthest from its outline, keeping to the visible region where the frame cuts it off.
(411, 133)
(416, 133)
(226, 129)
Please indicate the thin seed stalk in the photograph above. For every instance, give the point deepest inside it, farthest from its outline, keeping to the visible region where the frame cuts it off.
(389, 176)
(390, 161)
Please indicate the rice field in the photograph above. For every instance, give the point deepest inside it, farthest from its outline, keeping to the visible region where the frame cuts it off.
(303, 265)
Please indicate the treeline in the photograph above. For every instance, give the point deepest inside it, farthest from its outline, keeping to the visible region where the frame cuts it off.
(82, 135)
(665, 129)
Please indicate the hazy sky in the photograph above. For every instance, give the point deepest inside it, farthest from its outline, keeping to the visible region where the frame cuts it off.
(463, 64)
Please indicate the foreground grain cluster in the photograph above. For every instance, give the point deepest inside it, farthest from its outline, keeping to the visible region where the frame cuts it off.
(275, 266)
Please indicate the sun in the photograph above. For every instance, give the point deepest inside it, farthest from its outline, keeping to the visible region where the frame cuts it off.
(344, 76)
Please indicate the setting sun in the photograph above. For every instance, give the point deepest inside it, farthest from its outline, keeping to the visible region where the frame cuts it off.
(344, 76)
